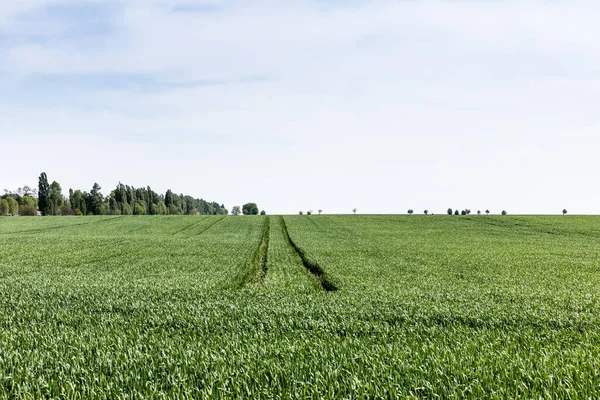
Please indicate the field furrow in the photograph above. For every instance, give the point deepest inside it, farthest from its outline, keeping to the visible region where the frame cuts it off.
(285, 269)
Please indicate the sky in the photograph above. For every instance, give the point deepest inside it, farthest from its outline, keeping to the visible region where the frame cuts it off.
(304, 105)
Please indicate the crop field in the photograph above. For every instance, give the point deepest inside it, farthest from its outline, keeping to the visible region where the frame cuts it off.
(300, 307)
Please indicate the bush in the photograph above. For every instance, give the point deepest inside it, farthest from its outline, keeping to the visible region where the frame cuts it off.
(28, 211)
(263, 212)
(65, 210)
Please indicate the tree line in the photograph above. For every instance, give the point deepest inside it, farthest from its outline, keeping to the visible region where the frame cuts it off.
(48, 199)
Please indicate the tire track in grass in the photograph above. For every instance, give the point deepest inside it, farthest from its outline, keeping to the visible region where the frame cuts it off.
(315, 269)
(209, 226)
(189, 226)
(258, 265)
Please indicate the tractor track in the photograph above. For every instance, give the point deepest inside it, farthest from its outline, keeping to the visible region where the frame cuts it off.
(313, 268)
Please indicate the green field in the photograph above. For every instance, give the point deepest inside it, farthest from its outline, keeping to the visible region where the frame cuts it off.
(300, 306)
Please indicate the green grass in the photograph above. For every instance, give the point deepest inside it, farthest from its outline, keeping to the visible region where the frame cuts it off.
(130, 307)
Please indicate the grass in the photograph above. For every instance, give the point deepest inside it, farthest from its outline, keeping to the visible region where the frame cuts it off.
(468, 307)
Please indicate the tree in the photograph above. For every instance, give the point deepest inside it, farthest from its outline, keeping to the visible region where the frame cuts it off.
(487, 212)
(309, 212)
(236, 210)
(300, 212)
(13, 205)
(140, 208)
(504, 212)
(354, 211)
(426, 212)
(410, 212)
(320, 211)
(565, 211)
(449, 211)
(78, 203)
(28, 201)
(463, 212)
(95, 200)
(478, 212)
(3, 208)
(250, 209)
(43, 193)
(55, 198)
(263, 212)
(456, 212)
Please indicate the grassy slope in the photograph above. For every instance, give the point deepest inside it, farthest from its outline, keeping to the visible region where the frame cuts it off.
(453, 306)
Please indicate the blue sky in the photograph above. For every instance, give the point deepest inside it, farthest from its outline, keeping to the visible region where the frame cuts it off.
(298, 105)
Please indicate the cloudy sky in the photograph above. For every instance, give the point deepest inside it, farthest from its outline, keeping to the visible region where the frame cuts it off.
(308, 104)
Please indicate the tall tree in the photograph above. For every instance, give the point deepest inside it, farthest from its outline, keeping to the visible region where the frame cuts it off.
(55, 198)
(43, 193)
(95, 200)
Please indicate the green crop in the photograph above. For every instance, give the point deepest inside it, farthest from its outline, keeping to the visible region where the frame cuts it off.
(226, 307)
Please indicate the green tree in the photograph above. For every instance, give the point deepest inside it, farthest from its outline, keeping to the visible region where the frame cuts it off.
(13, 205)
(126, 209)
(250, 209)
(28, 201)
(3, 208)
(95, 200)
(236, 210)
(78, 203)
(43, 193)
(140, 207)
(263, 212)
(55, 198)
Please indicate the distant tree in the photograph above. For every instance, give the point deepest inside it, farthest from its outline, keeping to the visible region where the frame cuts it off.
(426, 212)
(449, 211)
(456, 212)
(463, 212)
(28, 201)
(95, 199)
(300, 212)
(236, 210)
(13, 205)
(140, 208)
(565, 211)
(126, 209)
(309, 212)
(3, 208)
(263, 212)
(487, 212)
(43, 193)
(354, 211)
(250, 209)
(320, 211)
(410, 212)
(478, 212)
(78, 203)
(55, 198)
(504, 212)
